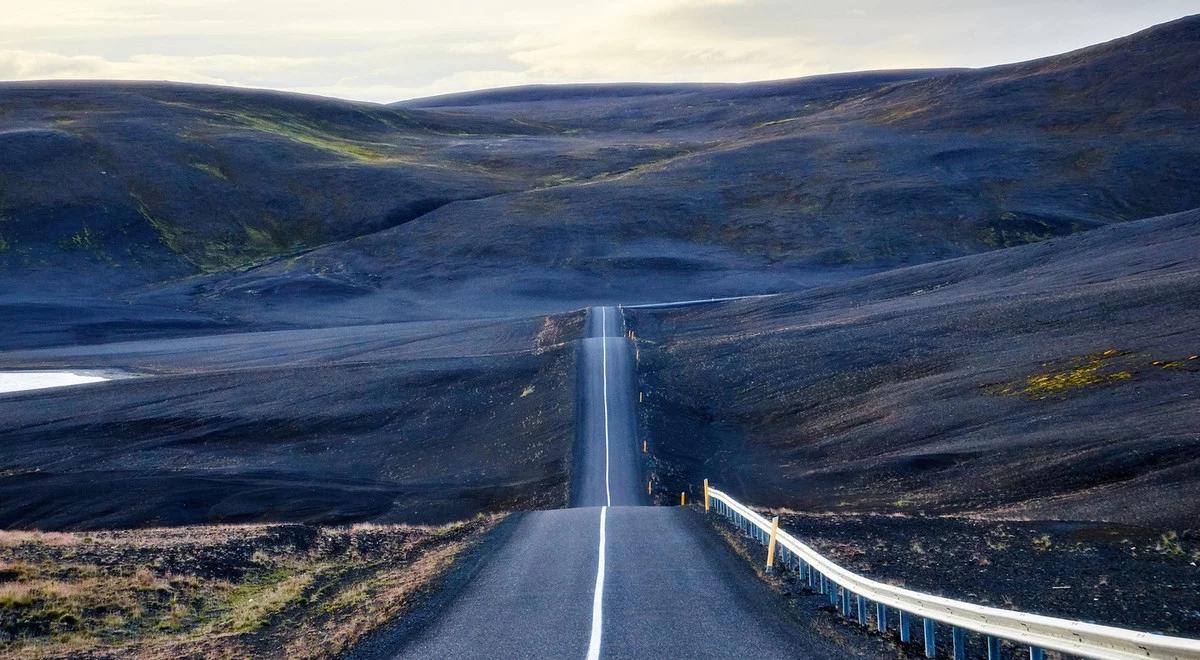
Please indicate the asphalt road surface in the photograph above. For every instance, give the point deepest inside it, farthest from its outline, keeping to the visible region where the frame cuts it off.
(607, 469)
(601, 580)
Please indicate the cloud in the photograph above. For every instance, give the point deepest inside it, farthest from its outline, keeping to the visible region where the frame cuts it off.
(385, 50)
(37, 65)
(213, 69)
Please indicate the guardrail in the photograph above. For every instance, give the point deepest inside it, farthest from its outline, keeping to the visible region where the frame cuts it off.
(854, 595)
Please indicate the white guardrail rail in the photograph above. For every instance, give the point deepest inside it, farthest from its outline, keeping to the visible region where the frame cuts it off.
(854, 594)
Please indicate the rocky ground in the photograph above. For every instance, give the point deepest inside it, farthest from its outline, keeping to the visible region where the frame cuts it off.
(1109, 574)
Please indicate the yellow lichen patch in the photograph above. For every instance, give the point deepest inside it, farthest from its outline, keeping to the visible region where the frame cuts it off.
(1108, 367)
(1081, 372)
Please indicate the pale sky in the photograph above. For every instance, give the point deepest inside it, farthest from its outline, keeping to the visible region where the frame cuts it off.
(379, 50)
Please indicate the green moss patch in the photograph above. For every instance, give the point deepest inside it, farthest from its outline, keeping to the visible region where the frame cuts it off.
(229, 251)
(305, 132)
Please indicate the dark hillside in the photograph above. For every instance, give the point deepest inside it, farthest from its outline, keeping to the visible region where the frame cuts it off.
(1139, 80)
(806, 180)
(111, 185)
(428, 422)
(661, 108)
(1053, 381)
(237, 209)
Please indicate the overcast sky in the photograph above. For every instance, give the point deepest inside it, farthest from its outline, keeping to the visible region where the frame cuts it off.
(387, 50)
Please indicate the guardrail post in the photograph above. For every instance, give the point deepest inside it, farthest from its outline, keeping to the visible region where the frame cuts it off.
(960, 643)
(993, 644)
(930, 638)
(1036, 654)
(706, 496)
(771, 544)
(881, 617)
(862, 611)
(846, 607)
(905, 627)
(833, 593)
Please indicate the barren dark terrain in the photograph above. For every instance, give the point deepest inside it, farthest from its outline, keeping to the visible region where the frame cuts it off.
(403, 423)
(970, 362)
(1053, 381)
(1016, 428)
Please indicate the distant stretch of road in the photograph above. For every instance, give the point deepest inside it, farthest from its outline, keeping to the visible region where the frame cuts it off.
(608, 578)
(607, 470)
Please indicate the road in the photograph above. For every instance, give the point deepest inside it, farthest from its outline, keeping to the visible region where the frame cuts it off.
(603, 580)
(607, 470)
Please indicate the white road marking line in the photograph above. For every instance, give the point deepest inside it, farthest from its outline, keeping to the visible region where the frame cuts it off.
(598, 597)
(700, 301)
(604, 369)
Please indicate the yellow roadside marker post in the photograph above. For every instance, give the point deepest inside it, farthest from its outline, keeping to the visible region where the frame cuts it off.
(649, 487)
(771, 545)
(643, 446)
(706, 496)
(682, 499)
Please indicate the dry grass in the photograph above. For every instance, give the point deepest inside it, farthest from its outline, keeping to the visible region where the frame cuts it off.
(215, 591)
(18, 537)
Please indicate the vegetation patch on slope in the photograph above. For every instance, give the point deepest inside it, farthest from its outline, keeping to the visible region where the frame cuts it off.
(296, 129)
(1109, 367)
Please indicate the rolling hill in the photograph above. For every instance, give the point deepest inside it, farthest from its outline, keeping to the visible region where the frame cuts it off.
(1056, 381)
(223, 208)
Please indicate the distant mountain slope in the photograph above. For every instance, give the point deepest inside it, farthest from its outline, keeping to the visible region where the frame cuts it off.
(1052, 381)
(275, 206)
(149, 181)
(110, 185)
(902, 173)
(658, 108)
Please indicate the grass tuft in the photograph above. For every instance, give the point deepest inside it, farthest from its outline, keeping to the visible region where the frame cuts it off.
(211, 169)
